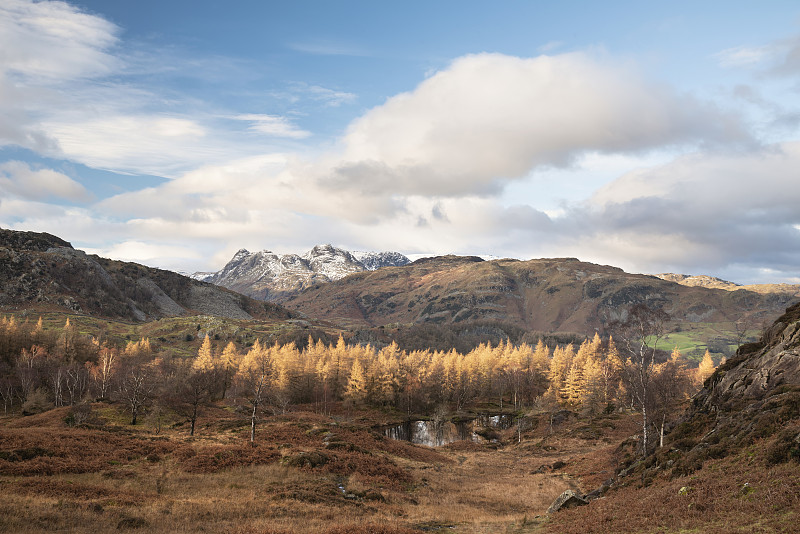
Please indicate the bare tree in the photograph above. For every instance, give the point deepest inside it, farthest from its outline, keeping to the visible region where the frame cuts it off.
(136, 387)
(253, 381)
(7, 389)
(76, 380)
(637, 337)
(190, 389)
(671, 385)
(103, 371)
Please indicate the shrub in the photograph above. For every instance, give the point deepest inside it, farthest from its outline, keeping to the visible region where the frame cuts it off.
(79, 414)
(784, 448)
(36, 402)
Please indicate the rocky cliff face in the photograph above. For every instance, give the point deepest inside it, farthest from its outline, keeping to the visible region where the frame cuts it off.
(43, 270)
(754, 398)
(268, 276)
(759, 370)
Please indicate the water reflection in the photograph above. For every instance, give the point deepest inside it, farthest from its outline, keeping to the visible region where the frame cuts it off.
(437, 433)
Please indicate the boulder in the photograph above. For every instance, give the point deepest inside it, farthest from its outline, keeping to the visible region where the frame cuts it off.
(568, 499)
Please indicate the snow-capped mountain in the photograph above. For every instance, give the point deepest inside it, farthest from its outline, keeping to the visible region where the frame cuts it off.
(375, 260)
(269, 276)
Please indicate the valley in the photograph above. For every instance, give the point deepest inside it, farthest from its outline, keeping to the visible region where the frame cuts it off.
(472, 413)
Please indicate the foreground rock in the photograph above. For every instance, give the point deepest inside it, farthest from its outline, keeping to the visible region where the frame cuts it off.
(568, 499)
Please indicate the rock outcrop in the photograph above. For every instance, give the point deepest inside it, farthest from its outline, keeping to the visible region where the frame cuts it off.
(568, 499)
(752, 398)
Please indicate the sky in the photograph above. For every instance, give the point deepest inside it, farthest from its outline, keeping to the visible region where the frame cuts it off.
(655, 137)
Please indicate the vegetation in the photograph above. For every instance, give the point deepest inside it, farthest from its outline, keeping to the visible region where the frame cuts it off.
(237, 434)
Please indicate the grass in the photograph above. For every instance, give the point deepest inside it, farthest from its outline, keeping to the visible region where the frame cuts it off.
(335, 475)
(694, 339)
(114, 477)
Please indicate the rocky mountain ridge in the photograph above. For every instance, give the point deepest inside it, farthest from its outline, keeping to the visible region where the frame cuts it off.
(718, 283)
(39, 269)
(265, 275)
(546, 295)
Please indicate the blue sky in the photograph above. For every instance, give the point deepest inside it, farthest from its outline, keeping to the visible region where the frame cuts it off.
(654, 137)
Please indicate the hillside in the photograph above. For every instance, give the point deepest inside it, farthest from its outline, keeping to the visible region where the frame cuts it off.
(265, 275)
(545, 295)
(42, 270)
(718, 283)
(732, 464)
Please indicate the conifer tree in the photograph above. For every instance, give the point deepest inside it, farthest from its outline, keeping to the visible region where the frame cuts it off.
(356, 385)
(205, 357)
(594, 392)
(228, 362)
(705, 369)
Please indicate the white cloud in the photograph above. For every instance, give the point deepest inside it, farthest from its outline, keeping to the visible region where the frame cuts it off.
(699, 212)
(743, 56)
(161, 145)
(42, 46)
(18, 179)
(490, 118)
(54, 40)
(329, 96)
(70, 89)
(777, 58)
(143, 252)
(273, 125)
(328, 48)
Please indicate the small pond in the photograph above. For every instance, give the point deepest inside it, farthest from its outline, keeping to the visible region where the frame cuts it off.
(438, 433)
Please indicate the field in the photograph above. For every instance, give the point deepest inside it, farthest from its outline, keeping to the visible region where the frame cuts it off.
(304, 473)
(338, 474)
(693, 339)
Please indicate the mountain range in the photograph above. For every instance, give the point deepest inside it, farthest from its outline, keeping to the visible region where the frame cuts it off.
(380, 295)
(265, 275)
(547, 295)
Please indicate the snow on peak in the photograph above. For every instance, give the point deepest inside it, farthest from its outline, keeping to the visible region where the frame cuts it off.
(265, 273)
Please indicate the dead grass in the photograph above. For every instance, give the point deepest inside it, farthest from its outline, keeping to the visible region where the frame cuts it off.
(305, 473)
(735, 494)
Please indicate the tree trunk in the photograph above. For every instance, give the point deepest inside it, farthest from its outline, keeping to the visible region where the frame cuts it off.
(663, 422)
(193, 419)
(253, 424)
(644, 429)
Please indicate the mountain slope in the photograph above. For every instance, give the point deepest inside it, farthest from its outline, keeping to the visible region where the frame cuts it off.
(44, 270)
(545, 295)
(265, 275)
(718, 283)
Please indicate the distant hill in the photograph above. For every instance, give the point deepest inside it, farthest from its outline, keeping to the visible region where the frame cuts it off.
(718, 283)
(544, 295)
(39, 269)
(265, 275)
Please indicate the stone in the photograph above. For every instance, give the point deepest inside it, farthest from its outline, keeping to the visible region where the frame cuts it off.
(568, 499)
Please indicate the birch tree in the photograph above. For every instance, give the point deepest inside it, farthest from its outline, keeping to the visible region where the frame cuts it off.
(638, 337)
(253, 381)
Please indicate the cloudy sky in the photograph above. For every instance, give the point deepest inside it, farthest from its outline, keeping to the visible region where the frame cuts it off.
(651, 136)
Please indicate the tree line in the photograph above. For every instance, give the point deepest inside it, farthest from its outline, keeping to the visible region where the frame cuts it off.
(41, 369)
